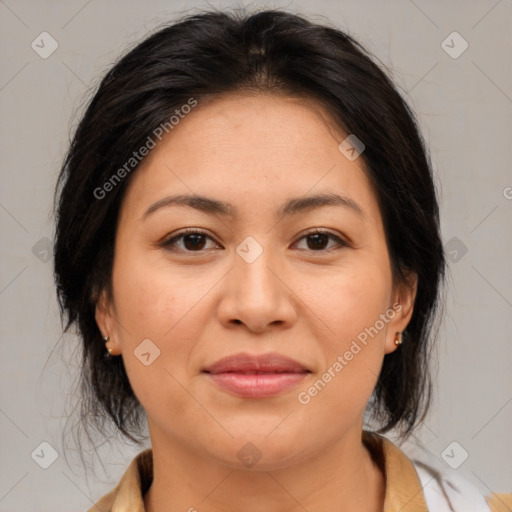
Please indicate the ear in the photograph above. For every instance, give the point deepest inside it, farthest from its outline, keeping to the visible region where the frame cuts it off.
(105, 320)
(404, 296)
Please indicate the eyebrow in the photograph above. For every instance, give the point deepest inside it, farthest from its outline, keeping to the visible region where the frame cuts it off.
(292, 206)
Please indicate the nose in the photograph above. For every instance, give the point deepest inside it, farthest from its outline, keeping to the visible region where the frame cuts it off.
(258, 294)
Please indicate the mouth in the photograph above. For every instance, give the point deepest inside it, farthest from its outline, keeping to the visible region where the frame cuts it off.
(257, 376)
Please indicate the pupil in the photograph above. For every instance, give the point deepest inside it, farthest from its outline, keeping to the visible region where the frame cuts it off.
(316, 238)
(196, 243)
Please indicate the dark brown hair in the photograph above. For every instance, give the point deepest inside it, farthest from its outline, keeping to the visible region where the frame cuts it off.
(202, 56)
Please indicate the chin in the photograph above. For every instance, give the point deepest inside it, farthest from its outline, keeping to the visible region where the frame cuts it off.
(260, 452)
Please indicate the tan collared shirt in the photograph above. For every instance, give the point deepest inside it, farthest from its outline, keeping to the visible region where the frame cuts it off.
(404, 490)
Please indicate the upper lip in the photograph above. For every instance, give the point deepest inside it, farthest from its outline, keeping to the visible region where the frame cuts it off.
(264, 363)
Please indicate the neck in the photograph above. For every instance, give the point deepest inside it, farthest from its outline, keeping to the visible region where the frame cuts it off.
(343, 478)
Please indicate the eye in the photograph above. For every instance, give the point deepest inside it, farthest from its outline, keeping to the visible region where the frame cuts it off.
(316, 240)
(193, 240)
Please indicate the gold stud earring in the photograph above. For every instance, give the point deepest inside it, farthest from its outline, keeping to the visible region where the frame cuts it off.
(106, 339)
(398, 338)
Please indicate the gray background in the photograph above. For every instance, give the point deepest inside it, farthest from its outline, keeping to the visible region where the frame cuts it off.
(464, 105)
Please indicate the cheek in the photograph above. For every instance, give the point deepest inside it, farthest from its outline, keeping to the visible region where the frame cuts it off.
(350, 305)
(147, 307)
(351, 299)
(153, 305)
(151, 297)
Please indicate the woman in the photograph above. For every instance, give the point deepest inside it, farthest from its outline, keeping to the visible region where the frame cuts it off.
(248, 241)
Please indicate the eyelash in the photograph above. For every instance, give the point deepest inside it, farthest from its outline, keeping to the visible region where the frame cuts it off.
(168, 243)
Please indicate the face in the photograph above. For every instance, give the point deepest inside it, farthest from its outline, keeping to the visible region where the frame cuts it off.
(254, 279)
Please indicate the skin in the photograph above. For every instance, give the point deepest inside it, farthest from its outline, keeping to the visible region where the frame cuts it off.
(304, 300)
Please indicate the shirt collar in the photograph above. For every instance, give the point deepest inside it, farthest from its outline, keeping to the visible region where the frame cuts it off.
(403, 488)
(404, 491)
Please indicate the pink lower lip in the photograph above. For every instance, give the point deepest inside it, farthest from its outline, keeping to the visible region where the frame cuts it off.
(257, 385)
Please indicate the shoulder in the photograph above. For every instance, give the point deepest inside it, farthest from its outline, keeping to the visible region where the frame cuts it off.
(418, 481)
(445, 490)
(500, 502)
(128, 494)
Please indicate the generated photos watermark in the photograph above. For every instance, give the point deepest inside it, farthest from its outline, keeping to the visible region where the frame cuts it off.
(304, 397)
(143, 151)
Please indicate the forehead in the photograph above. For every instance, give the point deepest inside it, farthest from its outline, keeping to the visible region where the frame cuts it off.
(234, 128)
(261, 123)
(251, 147)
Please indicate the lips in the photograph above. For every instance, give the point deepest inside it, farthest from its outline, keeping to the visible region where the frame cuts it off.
(257, 376)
